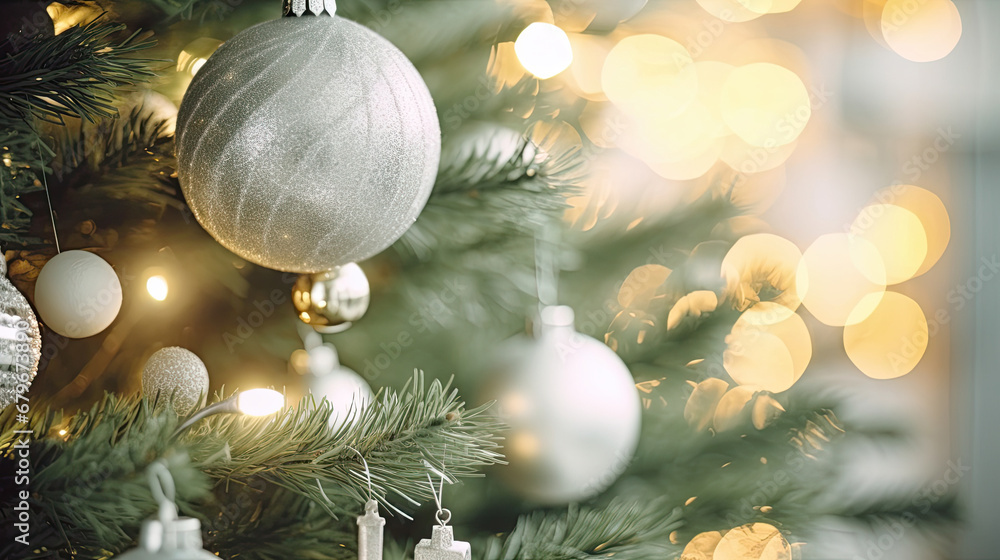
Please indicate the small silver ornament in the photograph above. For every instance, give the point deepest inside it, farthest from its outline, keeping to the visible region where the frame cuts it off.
(330, 301)
(177, 373)
(306, 143)
(442, 545)
(370, 533)
(20, 341)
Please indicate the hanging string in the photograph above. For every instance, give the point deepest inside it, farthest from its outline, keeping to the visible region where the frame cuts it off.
(48, 197)
(546, 267)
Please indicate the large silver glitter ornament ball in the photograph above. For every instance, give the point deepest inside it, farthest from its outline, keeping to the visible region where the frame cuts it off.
(177, 373)
(306, 143)
(572, 408)
(330, 301)
(20, 341)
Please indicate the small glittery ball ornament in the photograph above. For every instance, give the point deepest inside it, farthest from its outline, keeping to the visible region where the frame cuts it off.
(176, 373)
(78, 294)
(331, 301)
(572, 408)
(306, 143)
(20, 341)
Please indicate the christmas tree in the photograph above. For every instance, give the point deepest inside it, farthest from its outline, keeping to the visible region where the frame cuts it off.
(533, 443)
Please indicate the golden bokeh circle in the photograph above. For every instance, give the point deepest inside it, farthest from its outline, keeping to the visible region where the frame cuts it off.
(891, 340)
(921, 31)
(766, 105)
(899, 237)
(840, 279)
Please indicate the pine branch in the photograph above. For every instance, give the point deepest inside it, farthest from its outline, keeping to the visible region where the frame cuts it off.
(624, 530)
(397, 437)
(73, 74)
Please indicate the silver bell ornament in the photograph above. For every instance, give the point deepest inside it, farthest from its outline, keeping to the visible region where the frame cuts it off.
(330, 301)
(306, 143)
(167, 536)
(20, 341)
(572, 408)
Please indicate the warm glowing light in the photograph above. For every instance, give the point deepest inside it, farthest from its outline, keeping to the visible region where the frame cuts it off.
(736, 11)
(71, 15)
(700, 408)
(692, 305)
(260, 402)
(840, 279)
(921, 31)
(769, 348)
(589, 53)
(732, 411)
(642, 284)
(701, 546)
(765, 104)
(891, 341)
(750, 160)
(931, 212)
(650, 75)
(157, 287)
(782, 6)
(754, 541)
(899, 237)
(63, 432)
(543, 49)
(712, 75)
(763, 266)
(196, 54)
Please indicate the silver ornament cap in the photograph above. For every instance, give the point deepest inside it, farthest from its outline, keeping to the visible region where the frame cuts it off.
(330, 301)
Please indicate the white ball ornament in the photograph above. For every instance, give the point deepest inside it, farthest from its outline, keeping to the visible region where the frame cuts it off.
(346, 391)
(572, 408)
(77, 294)
(176, 373)
(306, 143)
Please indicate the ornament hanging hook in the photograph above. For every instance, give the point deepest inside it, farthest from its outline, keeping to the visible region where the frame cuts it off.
(161, 484)
(443, 514)
(368, 474)
(546, 266)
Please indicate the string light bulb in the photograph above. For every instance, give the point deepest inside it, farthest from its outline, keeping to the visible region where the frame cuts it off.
(543, 49)
(157, 287)
(260, 402)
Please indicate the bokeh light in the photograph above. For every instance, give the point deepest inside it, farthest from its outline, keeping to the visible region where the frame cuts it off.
(931, 212)
(753, 541)
(543, 49)
(642, 285)
(692, 305)
(763, 262)
(701, 546)
(769, 347)
(899, 237)
(782, 6)
(891, 341)
(736, 11)
(835, 276)
(732, 411)
(921, 31)
(650, 76)
(699, 411)
(765, 104)
(589, 53)
(196, 54)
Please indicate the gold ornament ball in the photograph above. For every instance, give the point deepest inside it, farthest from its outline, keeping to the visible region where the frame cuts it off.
(330, 301)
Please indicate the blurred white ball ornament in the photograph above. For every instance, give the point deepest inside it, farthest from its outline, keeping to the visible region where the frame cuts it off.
(20, 341)
(306, 143)
(331, 301)
(572, 407)
(346, 391)
(77, 294)
(177, 373)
